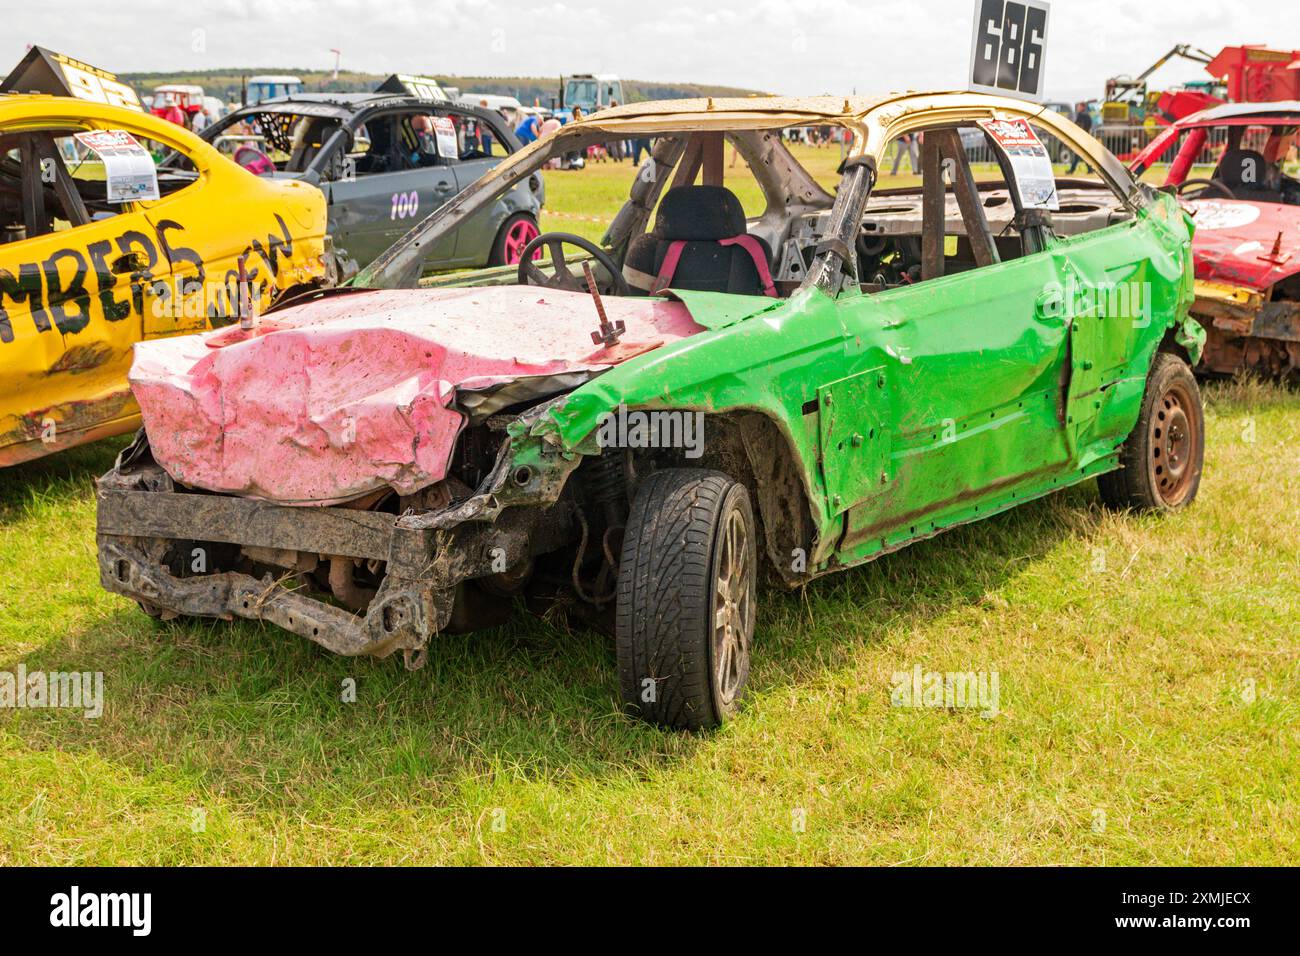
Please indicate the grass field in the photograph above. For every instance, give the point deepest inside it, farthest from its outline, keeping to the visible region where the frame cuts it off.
(1149, 676)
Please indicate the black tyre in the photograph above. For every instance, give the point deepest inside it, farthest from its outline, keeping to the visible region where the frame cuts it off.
(516, 232)
(687, 583)
(1160, 461)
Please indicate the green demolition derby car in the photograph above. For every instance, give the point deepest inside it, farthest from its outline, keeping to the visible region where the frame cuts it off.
(715, 395)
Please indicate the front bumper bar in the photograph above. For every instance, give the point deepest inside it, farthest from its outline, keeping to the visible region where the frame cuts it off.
(148, 530)
(137, 528)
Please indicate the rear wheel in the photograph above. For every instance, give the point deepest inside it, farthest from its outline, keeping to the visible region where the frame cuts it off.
(687, 599)
(1160, 461)
(515, 233)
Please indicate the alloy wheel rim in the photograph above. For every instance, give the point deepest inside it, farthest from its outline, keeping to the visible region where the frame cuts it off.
(519, 235)
(733, 609)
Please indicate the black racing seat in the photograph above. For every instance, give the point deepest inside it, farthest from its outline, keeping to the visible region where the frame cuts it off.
(699, 243)
(383, 156)
(1249, 175)
(307, 142)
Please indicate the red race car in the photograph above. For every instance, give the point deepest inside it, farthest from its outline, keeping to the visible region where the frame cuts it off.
(1230, 163)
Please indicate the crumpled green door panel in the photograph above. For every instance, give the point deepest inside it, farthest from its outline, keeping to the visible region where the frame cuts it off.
(1122, 288)
(975, 377)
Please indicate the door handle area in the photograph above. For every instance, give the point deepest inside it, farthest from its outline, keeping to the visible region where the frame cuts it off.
(444, 187)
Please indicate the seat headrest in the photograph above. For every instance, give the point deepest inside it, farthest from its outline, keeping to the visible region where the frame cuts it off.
(1246, 168)
(696, 213)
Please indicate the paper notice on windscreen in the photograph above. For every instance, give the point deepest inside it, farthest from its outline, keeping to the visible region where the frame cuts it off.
(129, 170)
(445, 130)
(1030, 163)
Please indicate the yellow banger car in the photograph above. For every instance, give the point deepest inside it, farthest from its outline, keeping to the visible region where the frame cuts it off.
(89, 265)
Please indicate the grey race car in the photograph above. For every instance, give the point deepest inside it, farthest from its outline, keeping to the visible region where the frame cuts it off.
(384, 162)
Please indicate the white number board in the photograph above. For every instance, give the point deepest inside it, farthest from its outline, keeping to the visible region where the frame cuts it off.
(1007, 48)
(424, 87)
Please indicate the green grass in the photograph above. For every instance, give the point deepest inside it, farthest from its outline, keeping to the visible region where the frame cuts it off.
(1123, 645)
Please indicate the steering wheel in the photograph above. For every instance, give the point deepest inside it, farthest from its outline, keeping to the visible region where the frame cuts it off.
(1207, 186)
(530, 274)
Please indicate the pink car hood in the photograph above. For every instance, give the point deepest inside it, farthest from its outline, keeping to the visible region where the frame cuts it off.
(1237, 241)
(351, 393)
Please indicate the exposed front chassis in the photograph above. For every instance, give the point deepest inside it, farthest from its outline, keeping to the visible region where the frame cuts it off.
(171, 549)
(1246, 330)
(138, 528)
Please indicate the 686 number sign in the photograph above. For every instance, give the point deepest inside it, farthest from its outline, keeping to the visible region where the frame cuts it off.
(1007, 49)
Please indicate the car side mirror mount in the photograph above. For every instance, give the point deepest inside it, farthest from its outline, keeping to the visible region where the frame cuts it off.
(1035, 227)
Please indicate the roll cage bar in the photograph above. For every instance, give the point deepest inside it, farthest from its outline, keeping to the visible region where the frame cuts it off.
(352, 116)
(400, 265)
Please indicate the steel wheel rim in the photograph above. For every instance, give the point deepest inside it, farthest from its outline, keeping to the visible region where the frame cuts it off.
(517, 236)
(733, 608)
(1173, 444)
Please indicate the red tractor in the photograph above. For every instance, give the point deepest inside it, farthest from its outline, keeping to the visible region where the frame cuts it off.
(1254, 74)
(1250, 73)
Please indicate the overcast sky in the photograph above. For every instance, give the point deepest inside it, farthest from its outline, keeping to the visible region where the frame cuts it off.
(785, 46)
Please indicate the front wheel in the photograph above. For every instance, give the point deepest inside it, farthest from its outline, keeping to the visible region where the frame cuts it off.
(687, 583)
(515, 233)
(1160, 461)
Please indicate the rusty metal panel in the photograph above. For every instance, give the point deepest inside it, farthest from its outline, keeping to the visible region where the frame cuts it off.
(261, 524)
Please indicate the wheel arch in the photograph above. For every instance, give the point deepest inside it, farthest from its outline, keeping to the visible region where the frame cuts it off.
(755, 450)
(1173, 346)
(1185, 338)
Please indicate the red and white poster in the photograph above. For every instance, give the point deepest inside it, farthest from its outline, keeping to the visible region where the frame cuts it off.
(445, 130)
(1030, 164)
(129, 170)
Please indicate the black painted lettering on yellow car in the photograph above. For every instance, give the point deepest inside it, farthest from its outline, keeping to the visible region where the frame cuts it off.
(178, 254)
(225, 310)
(57, 287)
(114, 310)
(25, 287)
(275, 247)
(141, 279)
(68, 302)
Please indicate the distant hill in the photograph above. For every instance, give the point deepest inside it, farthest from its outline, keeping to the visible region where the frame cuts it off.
(226, 84)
